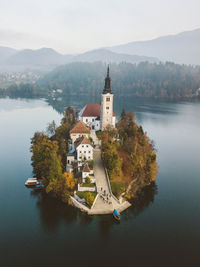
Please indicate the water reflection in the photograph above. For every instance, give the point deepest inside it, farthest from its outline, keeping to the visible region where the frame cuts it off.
(144, 105)
(143, 200)
(53, 212)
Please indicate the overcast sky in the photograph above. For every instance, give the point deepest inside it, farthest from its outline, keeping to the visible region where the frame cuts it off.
(74, 26)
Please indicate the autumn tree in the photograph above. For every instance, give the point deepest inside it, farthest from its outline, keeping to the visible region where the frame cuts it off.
(69, 180)
(112, 160)
(45, 160)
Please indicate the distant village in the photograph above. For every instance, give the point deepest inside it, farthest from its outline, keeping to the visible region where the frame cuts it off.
(10, 78)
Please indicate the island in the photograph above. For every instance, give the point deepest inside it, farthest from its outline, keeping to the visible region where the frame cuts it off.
(93, 161)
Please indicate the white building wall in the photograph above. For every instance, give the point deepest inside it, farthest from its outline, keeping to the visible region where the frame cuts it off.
(106, 110)
(92, 122)
(82, 188)
(84, 152)
(70, 159)
(113, 121)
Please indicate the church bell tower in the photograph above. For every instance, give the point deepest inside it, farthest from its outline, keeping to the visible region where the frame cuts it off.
(107, 104)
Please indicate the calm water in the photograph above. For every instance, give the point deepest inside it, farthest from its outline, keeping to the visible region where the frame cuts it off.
(162, 229)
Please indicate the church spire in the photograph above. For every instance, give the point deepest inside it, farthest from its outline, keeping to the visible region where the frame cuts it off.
(107, 88)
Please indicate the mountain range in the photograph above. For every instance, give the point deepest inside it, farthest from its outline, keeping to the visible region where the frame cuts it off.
(46, 58)
(182, 48)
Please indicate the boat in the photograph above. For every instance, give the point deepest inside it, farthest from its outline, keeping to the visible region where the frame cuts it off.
(38, 187)
(32, 182)
(116, 214)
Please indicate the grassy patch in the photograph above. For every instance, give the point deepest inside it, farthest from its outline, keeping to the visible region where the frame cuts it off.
(88, 196)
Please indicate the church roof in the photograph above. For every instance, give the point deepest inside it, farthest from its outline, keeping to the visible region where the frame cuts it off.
(80, 127)
(93, 110)
(82, 141)
(86, 168)
(107, 88)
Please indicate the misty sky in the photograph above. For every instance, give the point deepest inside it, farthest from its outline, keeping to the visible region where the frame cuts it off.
(74, 26)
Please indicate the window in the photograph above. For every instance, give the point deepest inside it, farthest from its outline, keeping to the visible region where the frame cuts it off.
(82, 145)
(107, 107)
(92, 119)
(84, 151)
(88, 157)
(87, 146)
(86, 120)
(79, 157)
(68, 161)
(107, 99)
(89, 151)
(80, 151)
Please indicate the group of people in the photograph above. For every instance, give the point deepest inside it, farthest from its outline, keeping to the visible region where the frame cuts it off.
(105, 196)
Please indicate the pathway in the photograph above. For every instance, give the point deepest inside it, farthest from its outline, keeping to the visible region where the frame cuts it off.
(101, 206)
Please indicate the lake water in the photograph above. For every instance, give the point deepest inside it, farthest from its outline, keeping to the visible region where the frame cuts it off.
(161, 229)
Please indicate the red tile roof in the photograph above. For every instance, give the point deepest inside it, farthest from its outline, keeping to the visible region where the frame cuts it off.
(82, 141)
(80, 127)
(93, 110)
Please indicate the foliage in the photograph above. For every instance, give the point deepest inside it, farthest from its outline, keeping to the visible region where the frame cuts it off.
(129, 156)
(117, 188)
(58, 189)
(45, 160)
(87, 180)
(157, 80)
(112, 160)
(24, 90)
(88, 196)
(153, 80)
(69, 116)
(69, 180)
(62, 134)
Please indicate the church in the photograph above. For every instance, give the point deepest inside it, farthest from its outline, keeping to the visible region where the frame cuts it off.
(93, 117)
(100, 116)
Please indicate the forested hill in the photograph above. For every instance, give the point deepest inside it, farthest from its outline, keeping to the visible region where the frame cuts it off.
(163, 80)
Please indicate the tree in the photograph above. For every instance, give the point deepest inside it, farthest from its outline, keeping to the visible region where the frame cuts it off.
(123, 114)
(51, 128)
(89, 198)
(112, 160)
(45, 160)
(58, 189)
(69, 116)
(69, 180)
(87, 180)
